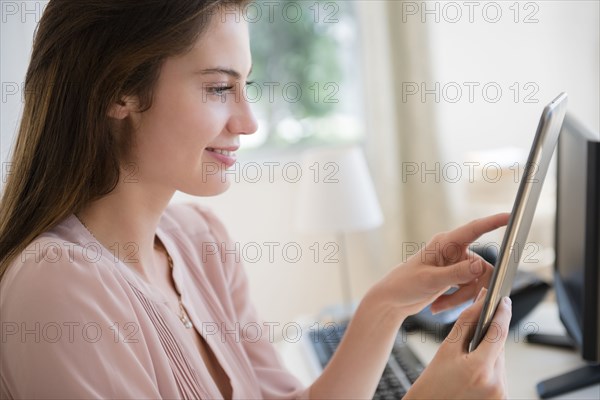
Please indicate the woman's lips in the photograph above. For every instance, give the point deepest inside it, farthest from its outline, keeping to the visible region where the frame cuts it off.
(227, 157)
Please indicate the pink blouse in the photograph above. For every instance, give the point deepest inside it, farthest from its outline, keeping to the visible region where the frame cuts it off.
(78, 323)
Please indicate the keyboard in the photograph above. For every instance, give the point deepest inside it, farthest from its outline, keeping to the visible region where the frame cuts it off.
(401, 371)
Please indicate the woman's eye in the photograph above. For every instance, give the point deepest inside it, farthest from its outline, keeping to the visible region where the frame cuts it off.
(219, 90)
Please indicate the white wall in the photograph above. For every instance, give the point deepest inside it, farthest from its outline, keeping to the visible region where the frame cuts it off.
(558, 53)
(18, 21)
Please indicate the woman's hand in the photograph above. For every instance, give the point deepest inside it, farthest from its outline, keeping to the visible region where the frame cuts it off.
(456, 374)
(356, 366)
(444, 262)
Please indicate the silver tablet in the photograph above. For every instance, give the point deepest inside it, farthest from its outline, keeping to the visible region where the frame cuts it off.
(522, 213)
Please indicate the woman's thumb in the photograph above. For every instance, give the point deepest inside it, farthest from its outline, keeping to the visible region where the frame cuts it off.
(464, 327)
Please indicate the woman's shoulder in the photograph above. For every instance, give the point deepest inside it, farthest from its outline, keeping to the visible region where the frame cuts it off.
(56, 272)
(52, 256)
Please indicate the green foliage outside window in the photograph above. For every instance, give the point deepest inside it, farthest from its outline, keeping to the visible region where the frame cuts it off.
(301, 81)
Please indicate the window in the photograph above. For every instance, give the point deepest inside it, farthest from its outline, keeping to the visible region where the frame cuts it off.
(306, 73)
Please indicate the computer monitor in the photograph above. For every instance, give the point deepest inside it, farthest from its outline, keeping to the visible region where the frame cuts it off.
(577, 245)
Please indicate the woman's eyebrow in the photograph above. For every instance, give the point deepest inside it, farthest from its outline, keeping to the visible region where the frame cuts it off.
(223, 70)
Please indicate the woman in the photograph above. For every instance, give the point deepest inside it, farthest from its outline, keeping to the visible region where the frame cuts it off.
(107, 292)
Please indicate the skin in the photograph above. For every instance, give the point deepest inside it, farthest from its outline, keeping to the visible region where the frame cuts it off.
(188, 116)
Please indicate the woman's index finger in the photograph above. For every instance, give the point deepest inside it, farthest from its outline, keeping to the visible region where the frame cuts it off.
(474, 229)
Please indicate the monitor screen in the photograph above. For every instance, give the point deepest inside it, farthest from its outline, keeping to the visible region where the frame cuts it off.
(577, 220)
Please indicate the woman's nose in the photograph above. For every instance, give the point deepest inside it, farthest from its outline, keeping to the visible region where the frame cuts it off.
(243, 121)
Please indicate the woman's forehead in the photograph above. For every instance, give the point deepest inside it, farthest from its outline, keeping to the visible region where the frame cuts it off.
(225, 42)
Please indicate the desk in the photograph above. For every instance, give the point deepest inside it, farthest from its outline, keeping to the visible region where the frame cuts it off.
(526, 364)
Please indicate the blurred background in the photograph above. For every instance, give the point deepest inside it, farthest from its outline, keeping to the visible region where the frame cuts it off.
(443, 99)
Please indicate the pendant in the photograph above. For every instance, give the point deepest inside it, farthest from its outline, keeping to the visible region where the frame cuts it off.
(186, 322)
(184, 317)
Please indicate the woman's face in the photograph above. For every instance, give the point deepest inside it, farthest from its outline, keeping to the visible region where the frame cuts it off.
(188, 138)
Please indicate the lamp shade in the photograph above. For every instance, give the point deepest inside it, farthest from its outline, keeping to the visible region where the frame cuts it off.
(336, 193)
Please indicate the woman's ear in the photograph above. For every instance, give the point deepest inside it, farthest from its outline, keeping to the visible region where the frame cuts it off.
(122, 108)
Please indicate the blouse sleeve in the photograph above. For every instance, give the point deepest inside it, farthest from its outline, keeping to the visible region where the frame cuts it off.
(276, 381)
(69, 331)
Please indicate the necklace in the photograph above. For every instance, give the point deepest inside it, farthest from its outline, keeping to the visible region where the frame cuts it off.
(183, 315)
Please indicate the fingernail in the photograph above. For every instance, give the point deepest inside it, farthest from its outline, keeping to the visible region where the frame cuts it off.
(481, 294)
(508, 301)
(476, 267)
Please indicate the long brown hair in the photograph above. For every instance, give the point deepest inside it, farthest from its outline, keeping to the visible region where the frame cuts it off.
(87, 55)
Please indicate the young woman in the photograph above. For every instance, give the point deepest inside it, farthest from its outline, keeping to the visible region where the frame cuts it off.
(108, 292)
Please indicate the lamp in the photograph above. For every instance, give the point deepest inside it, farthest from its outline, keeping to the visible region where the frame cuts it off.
(336, 196)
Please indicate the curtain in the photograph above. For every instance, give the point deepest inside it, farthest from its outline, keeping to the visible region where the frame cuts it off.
(401, 133)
